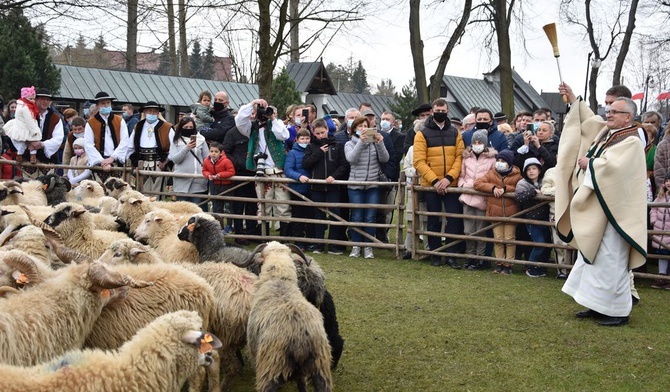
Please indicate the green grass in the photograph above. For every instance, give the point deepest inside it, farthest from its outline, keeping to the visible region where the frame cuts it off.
(412, 327)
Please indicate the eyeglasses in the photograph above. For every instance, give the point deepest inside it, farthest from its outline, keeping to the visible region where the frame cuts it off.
(613, 112)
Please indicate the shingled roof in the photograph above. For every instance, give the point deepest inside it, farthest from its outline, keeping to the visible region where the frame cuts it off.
(311, 78)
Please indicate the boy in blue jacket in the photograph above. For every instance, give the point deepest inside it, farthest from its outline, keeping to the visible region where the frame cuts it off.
(293, 169)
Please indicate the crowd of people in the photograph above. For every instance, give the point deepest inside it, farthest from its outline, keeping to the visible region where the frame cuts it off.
(507, 160)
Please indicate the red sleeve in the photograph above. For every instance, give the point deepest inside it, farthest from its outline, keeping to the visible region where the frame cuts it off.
(228, 168)
(207, 168)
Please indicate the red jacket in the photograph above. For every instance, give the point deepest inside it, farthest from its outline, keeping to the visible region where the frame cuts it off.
(9, 171)
(223, 168)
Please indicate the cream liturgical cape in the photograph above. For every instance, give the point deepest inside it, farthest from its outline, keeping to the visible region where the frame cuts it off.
(618, 174)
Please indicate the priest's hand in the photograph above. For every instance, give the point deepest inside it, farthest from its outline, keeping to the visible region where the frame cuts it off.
(566, 90)
(583, 162)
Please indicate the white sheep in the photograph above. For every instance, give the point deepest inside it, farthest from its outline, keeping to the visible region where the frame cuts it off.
(160, 357)
(75, 224)
(28, 192)
(56, 315)
(115, 187)
(87, 193)
(285, 333)
(32, 241)
(13, 216)
(159, 229)
(133, 206)
(17, 272)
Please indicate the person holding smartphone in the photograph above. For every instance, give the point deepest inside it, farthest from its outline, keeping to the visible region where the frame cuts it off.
(188, 151)
(300, 121)
(540, 142)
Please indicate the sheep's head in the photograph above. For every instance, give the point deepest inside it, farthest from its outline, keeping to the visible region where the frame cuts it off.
(115, 187)
(65, 212)
(53, 182)
(8, 188)
(186, 326)
(199, 223)
(127, 251)
(88, 189)
(153, 221)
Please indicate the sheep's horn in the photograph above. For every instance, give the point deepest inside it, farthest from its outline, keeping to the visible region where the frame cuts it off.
(11, 184)
(110, 279)
(9, 237)
(24, 264)
(52, 184)
(4, 290)
(250, 260)
(68, 255)
(48, 231)
(68, 184)
(295, 249)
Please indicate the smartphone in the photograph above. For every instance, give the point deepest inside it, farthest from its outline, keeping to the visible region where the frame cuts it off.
(530, 128)
(370, 133)
(305, 113)
(193, 137)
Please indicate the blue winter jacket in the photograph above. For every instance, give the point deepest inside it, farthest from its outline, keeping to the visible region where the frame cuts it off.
(293, 169)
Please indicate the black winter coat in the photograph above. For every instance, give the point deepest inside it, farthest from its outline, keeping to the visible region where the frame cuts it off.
(235, 145)
(322, 165)
(546, 153)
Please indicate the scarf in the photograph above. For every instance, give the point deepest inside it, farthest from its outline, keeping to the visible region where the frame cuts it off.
(275, 147)
(31, 105)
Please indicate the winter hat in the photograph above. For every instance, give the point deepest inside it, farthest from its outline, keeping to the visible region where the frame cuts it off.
(531, 161)
(507, 156)
(480, 136)
(27, 92)
(78, 142)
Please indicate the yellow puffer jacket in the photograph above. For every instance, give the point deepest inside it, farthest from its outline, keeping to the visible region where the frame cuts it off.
(438, 153)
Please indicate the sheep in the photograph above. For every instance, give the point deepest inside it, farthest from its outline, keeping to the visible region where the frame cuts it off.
(32, 241)
(26, 192)
(285, 333)
(17, 273)
(205, 234)
(75, 224)
(13, 217)
(107, 204)
(160, 357)
(133, 206)
(159, 229)
(55, 188)
(114, 187)
(58, 314)
(87, 193)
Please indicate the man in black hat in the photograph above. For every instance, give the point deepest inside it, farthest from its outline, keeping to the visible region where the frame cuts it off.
(51, 125)
(422, 112)
(105, 137)
(149, 143)
(500, 118)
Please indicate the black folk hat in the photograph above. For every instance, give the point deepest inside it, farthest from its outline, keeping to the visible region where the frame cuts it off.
(152, 105)
(101, 96)
(422, 108)
(42, 92)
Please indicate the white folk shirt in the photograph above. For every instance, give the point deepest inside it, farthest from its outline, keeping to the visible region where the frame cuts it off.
(118, 153)
(243, 123)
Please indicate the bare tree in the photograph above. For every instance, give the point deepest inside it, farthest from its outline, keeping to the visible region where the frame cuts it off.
(131, 36)
(183, 44)
(416, 46)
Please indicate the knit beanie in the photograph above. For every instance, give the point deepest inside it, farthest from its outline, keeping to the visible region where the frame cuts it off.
(480, 136)
(27, 92)
(507, 156)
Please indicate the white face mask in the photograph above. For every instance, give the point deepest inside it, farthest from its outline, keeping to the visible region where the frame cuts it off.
(477, 148)
(385, 125)
(298, 120)
(502, 166)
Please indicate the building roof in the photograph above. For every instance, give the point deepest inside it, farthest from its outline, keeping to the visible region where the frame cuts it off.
(555, 102)
(311, 78)
(81, 84)
(343, 101)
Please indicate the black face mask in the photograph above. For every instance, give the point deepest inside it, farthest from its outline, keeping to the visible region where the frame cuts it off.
(441, 117)
(219, 106)
(187, 132)
(482, 125)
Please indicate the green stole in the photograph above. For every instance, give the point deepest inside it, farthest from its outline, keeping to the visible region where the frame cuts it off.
(275, 147)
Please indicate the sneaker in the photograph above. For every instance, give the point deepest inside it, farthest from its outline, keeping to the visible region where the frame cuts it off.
(227, 230)
(367, 251)
(507, 269)
(470, 265)
(660, 284)
(355, 251)
(498, 269)
(535, 273)
(483, 265)
(562, 276)
(335, 252)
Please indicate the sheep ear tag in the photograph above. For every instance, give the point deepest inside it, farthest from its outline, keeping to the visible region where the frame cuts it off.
(44, 187)
(20, 277)
(105, 293)
(205, 345)
(191, 227)
(152, 198)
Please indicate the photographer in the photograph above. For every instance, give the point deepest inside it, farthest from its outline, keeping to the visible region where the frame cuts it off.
(266, 154)
(539, 142)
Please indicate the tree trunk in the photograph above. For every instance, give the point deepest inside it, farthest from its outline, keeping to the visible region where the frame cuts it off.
(416, 45)
(295, 38)
(505, 67)
(625, 44)
(265, 55)
(436, 79)
(172, 42)
(131, 37)
(593, 82)
(183, 45)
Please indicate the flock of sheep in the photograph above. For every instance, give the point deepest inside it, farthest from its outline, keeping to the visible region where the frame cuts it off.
(84, 306)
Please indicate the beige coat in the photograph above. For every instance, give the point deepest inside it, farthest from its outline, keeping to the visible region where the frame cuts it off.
(618, 175)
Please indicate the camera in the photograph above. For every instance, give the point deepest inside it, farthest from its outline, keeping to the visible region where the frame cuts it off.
(260, 158)
(263, 113)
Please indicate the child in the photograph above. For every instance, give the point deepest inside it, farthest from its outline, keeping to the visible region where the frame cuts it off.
(217, 168)
(9, 172)
(660, 220)
(79, 159)
(294, 170)
(201, 111)
(24, 128)
(562, 256)
(502, 178)
(526, 190)
(477, 161)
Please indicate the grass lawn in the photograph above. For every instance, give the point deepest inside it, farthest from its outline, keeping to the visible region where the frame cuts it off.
(412, 327)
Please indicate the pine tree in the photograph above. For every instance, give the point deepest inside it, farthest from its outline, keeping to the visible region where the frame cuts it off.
(386, 88)
(359, 79)
(208, 65)
(25, 58)
(195, 63)
(164, 61)
(405, 102)
(284, 93)
(100, 57)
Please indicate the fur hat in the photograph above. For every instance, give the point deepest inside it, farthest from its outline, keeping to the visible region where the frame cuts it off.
(531, 161)
(482, 136)
(78, 142)
(507, 156)
(27, 92)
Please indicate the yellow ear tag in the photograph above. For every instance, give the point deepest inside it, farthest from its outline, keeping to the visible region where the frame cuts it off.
(191, 227)
(22, 279)
(105, 293)
(44, 187)
(205, 347)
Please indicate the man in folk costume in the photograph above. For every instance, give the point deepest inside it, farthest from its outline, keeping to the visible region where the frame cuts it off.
(601, 206)
(149, 143)
(44, 150)
(266, 136)
(105, 137)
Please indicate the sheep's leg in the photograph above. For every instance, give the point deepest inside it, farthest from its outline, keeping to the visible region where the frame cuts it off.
(302, 384)
(6, 233)
(230, 366)
(196, 381)
(213, 373)
(270, 385)
(321, 383)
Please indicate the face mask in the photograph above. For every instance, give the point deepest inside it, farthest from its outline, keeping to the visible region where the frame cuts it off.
(298, 120)
(303, 145)
(477, 148)
(386, 125)
(502, 166)
(125, 115)
(440, 117)
(78, 152)
(106, 111)
(78, 135)
(187, 131)
(218, 106)
(350, 123)
(482, 125)
(358, 133)
(152, 118)
(85, 112)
